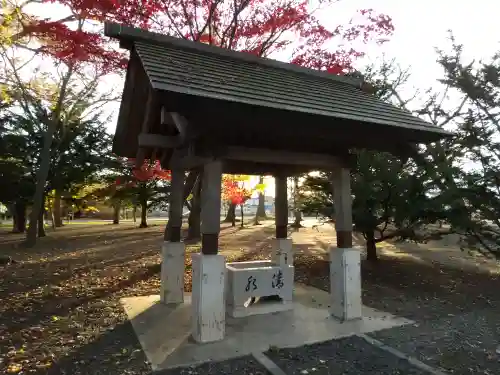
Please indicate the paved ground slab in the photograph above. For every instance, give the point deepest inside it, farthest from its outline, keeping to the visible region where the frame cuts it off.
(346, 356)
(164, 332)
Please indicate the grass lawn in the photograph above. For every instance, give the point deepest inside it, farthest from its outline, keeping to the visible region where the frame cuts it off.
(60, 311)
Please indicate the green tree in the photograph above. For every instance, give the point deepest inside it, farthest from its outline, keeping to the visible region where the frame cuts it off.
(17, 184)
(73, 50)
(474, 184)
(147, 187)
(394, 197)
(80, 149)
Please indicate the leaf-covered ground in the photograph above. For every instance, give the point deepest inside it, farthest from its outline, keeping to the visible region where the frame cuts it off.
(60, 311)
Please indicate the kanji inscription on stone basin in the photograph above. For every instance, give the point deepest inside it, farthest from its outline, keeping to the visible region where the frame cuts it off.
(256, 279)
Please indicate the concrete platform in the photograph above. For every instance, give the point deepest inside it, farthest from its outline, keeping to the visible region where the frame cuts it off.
(164, 331)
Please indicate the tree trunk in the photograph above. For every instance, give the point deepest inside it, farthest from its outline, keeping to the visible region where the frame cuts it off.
(43, 169)
(194, 219)
(296, 212)
(116, 213)
(144, 215)
(134, 214)
(50, 213)
(371, 247)
(41, 180)
(41, 226)
(231, 215)
(242, 216)
(57, 209)
(19, 217)
(298, 219)
(12, 209)
(261, 207)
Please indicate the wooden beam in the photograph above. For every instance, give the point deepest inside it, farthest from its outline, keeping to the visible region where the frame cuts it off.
(281, 206)
(148, 114)
(341, 182)
(159, 141)
(186, 130)
(127, 95)
(181, 124)
(182, 159)
(165, 118)
(263, 169)
(257, 155)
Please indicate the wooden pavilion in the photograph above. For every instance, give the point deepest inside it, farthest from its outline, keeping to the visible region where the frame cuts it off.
(198, 107)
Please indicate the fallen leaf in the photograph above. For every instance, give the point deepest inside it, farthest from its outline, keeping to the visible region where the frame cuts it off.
(14, 368)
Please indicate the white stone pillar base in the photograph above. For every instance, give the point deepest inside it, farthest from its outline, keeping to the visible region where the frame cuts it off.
(282, 251)
(172, 272)
(209, 312)
(345, 283)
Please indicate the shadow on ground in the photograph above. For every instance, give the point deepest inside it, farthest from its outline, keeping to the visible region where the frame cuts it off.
(116, 351)
(63, 313)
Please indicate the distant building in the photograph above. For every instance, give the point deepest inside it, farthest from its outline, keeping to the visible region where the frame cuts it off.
(251, 205)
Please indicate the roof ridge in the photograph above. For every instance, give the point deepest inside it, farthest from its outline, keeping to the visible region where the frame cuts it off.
(128, 35)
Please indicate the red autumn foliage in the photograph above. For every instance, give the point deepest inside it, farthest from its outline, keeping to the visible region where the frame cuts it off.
(147, 172)
(234, 191)
(69, 45)
(260, 27)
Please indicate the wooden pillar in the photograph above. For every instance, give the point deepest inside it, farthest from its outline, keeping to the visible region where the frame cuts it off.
(281, 206)
(173, 250)
(209, 310)
(173, 232)
(210, 207)
(345, 265)
(341, 183)
(282, 247)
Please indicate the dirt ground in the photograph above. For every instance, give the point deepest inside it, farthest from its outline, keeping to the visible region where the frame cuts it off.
(60, 311)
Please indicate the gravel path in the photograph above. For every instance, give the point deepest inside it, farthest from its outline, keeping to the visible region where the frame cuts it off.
(244, 365)
(457, 314)
(461, 344)
(347, 356)
(457, 311)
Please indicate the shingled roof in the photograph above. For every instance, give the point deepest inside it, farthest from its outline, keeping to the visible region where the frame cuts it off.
(196, 69)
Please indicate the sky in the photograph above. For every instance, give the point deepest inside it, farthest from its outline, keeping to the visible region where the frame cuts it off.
(420, 27)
